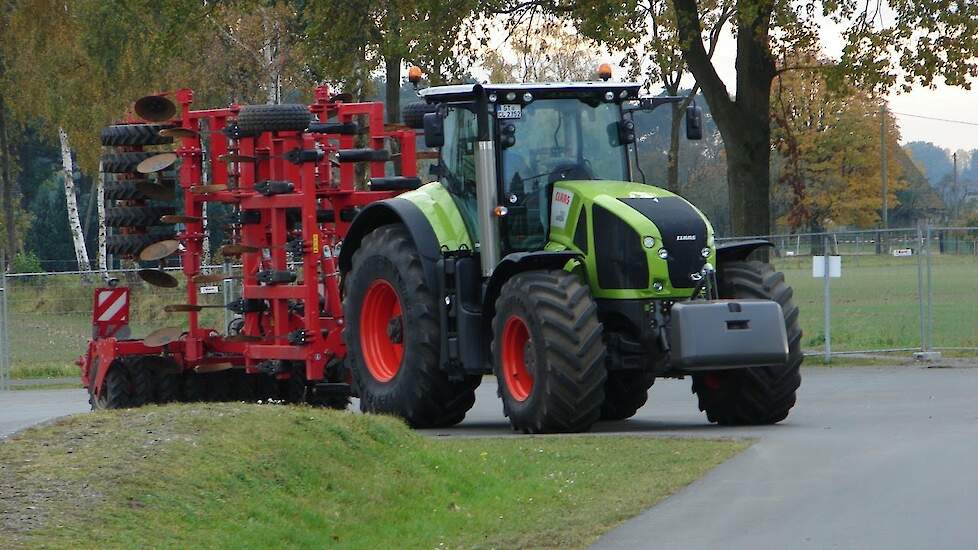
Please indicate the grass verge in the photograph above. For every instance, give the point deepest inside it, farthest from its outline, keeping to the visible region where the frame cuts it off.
(249, 476)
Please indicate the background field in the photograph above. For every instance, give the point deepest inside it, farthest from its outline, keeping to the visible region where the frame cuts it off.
(874, 305)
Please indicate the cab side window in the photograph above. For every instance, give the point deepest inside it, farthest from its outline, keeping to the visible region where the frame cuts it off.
(457, 162)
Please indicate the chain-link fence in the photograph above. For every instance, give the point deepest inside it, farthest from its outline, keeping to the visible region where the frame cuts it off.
(46, 318)
(898, 290)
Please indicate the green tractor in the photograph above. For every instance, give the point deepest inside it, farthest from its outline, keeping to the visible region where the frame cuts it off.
(535, 257)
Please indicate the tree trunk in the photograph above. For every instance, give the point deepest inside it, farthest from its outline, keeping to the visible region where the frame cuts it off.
(74, 224)
(672, 161)
(273, 86)
(744, 123)
(7, 180)
(102, 255)
(392, 70)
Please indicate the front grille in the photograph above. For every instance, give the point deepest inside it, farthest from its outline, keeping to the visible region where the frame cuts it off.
(618, 252)
(677, 221)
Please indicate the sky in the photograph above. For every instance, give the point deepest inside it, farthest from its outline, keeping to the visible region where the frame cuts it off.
(945, 102)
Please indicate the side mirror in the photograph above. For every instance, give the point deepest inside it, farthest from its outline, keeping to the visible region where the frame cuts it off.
(434, 130)
(626, 132)
(694, 123)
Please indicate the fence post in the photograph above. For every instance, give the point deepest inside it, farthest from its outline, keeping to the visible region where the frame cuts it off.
(827, 299)
(5, 373)
(930, 295)
(228, 289)
(920, 285)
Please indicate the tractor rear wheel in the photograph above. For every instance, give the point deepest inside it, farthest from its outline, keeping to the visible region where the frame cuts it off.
(393, 337)
(625, 393)
(757, 395)
(548, 354)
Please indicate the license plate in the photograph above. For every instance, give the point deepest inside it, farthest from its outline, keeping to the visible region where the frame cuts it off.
(509, 110)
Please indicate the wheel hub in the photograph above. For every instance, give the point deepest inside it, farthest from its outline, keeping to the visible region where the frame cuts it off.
(518, 358)
(381, 331)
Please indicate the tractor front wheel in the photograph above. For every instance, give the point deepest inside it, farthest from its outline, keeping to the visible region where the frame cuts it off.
(392, 335)
(625, 393)
(548, 353)
(757, 395)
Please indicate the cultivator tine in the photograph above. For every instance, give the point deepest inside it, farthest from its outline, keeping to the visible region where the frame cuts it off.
(175, 218)
(238, 338)
(156, 191)
(156, 163)
(189, 308)
(155, 108)
(238, 249)
(207, 189)
(232, 157)
(163, 336)
(158, 251)
(213, 367)
(158, 277)
(215, 278)
(178, 133)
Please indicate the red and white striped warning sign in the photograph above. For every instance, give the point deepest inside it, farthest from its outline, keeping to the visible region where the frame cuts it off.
(111, 306)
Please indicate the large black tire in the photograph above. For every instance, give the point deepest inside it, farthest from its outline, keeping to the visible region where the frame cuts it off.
(410, 385)
(548, 354)
(624, 393)
(412, 115)
(126, 189)
(132, 245)
(137, 216)
(167, 387)
(135, 134)
(122, 163)
(293, 388)
(141, 379)
(758, 395)
(254, 119)
(116, 391)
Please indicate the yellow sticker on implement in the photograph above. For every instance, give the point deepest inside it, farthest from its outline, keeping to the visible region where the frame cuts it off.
(315, 242)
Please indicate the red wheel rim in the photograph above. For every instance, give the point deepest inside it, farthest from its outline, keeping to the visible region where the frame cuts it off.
(518, 379)
(381, 331)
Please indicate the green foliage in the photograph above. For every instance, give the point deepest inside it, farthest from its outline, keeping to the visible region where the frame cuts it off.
(26, 262)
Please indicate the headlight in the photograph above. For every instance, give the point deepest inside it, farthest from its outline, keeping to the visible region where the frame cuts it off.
(663, 253)
(648, 242)
(705, 252)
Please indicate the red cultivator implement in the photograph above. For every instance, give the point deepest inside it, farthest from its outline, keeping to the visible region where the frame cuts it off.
(289, 173)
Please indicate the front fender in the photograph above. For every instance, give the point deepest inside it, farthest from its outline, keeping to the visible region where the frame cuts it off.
(738, 251)
(515, 263)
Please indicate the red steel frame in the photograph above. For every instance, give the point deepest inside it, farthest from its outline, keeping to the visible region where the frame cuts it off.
(315, 188)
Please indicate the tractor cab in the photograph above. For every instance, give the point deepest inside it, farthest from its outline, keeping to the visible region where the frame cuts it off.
(510, 143)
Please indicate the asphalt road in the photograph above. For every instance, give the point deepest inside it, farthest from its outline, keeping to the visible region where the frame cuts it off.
(20, 409)
(869, 458)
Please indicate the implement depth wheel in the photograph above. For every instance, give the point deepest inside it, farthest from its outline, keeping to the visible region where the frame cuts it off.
(548, 354)
(116, 389)
(758, 395)
(393, 337)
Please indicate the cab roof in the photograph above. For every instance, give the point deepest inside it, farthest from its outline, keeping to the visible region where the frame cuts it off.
(546, 89)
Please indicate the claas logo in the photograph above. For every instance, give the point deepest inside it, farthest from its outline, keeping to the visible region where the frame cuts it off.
(562, 197)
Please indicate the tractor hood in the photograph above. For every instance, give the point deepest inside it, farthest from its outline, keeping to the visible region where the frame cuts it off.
(638, 240)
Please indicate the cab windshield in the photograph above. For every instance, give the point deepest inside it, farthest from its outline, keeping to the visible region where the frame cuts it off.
(546, 141)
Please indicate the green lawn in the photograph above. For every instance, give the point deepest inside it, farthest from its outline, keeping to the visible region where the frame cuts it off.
(250, 476)
(875, 302)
